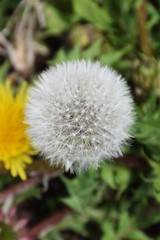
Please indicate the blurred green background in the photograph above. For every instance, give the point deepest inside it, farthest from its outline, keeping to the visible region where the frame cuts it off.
(121, 200)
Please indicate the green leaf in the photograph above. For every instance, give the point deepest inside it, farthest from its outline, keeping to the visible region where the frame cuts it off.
(114, 56)
(122, 178)
(74, 203)
(116, 177)
(3, 70)
(108, 176)
(60, 57)
(75, 53)
(138, 235)
(74, 222)
(56, 23)
(154, 16)
(91, 11)
(50, 235)
(32, 192)
(6, 232)
(93, 51)
(108, 231)
(124, 222)
(83, 185)
(152, 217)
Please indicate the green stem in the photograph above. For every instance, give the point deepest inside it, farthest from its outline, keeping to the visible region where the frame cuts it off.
(144, 34)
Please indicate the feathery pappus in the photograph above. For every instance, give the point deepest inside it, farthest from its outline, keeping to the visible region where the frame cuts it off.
(79, 113)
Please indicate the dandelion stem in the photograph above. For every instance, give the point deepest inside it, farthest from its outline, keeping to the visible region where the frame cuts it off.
(144, 34)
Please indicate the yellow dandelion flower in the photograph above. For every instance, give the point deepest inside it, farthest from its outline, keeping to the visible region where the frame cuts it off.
(15, 147)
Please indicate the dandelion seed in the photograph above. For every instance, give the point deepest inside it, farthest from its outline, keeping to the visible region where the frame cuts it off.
(79, 113)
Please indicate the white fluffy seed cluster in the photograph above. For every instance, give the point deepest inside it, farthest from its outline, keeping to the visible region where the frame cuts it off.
(79, 113)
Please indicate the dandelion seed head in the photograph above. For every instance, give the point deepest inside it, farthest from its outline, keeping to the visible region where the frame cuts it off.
(79, 113)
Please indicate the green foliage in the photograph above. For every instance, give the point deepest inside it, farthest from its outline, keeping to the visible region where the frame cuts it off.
(56, 22)
(120, 201)
(80, 189)
(102, 18)
(148, 136)
(92, 12)
(6, 180)
(108, 200)
(148, 116)
(116, 178)
(3, 70)
(76, 53)
(33, 192)
(6, 6)
(6, 232)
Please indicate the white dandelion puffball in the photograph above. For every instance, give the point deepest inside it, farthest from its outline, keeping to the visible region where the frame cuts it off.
(79, 113)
